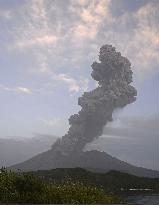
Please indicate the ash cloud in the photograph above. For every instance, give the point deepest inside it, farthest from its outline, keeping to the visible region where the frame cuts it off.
(114, 76)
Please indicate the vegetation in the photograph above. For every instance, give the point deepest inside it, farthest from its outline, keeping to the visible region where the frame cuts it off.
(71, 185)
(112, 182)
(28, 188)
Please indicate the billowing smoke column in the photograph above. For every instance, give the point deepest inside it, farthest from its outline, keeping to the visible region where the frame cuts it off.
(114, 75)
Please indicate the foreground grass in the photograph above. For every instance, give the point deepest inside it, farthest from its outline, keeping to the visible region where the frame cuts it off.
(26, 188)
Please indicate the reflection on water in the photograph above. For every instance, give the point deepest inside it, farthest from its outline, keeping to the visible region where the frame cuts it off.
(144, 200)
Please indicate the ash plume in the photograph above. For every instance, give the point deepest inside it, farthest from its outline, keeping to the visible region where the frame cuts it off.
(114, 75)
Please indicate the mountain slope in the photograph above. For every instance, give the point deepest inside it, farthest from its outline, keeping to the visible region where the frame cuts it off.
(17, 149)
(91, 160)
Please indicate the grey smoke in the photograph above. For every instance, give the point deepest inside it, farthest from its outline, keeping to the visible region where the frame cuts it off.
(114, 75)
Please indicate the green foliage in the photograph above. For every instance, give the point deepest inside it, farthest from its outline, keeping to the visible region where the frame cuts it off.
(27, 188)
(76, 193)
(113, 181)
(7, 188)
(19, 188)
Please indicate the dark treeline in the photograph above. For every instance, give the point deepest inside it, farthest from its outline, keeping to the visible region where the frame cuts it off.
(112, 182)
(72, 185)
(28, 188)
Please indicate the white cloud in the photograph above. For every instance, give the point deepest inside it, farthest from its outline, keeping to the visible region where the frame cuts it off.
(71, 82)
(16, 89)
(6, 14)
(84, 84)
(144, 45)
(51, 122)
(81, 2)
(85, 31)
(35, 29)
(23, 90)
(116, 137)
(138, 38)
(42, 64)
(91, 16)
(76, 33)
(37, 41)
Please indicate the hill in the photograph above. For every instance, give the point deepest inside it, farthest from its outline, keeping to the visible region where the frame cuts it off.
(90, 160)
(113, 181)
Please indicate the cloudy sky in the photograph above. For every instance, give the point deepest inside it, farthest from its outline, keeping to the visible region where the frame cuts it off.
(47, 48)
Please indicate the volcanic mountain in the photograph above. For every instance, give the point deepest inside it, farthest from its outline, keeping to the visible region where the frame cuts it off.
(114, 76)
(91, 160)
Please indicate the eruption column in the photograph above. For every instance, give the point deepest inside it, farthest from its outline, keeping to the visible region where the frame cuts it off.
(114, 75)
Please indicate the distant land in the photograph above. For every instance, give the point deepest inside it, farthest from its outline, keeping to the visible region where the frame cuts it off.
(18, 149)
(91, 160)
(33, 154)
(113, 181)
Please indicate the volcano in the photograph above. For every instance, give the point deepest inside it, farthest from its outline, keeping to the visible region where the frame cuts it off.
(114, 91)
(91, 160)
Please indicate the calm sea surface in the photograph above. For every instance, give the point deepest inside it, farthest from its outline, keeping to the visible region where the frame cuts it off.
(144, 200)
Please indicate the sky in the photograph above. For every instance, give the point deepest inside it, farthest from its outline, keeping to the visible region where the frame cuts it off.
(47, 48)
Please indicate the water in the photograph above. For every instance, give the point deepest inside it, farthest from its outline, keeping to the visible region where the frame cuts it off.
(144, 200)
